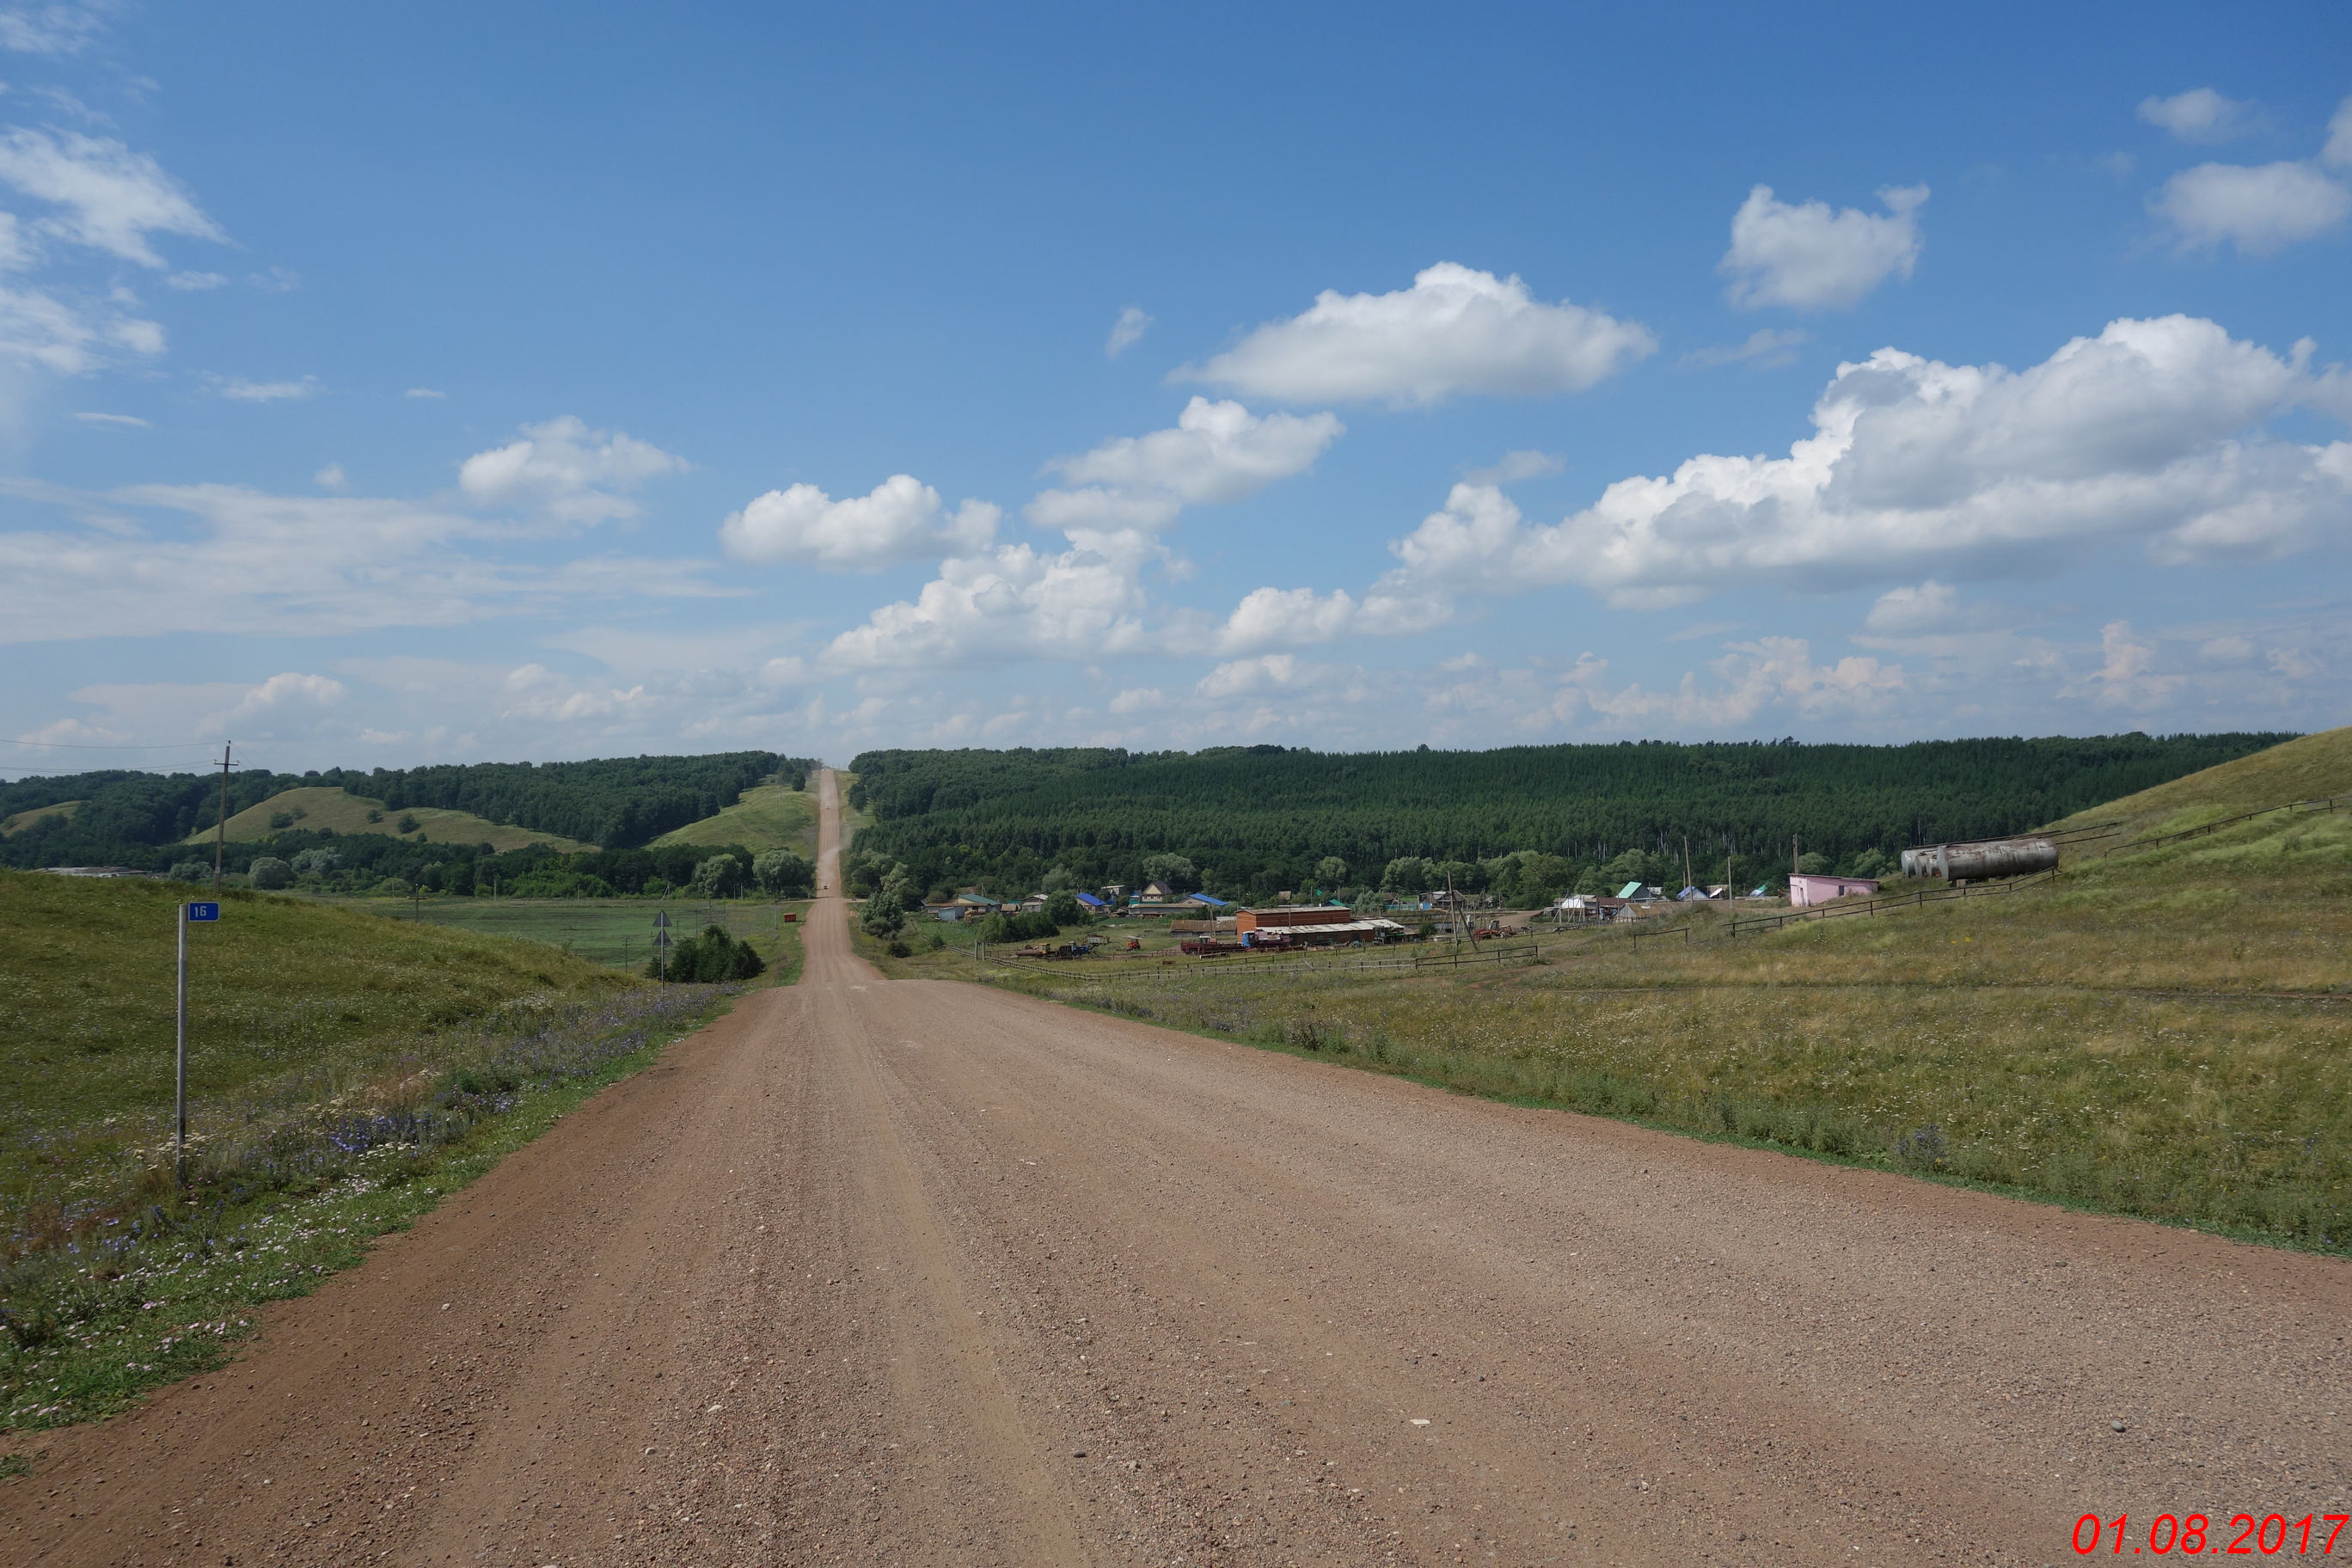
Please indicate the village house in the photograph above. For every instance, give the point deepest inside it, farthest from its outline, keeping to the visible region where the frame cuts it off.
(1806, 890)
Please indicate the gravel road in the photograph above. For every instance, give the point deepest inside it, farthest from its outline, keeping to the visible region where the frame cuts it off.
(915, 1272)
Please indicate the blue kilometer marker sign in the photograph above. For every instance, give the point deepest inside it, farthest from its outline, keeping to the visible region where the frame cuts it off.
(203, 912)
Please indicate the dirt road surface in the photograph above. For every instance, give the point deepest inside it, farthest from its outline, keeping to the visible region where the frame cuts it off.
(875, 1272)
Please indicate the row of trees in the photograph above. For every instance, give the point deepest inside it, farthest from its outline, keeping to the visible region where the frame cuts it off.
(126, 818)
(617, 803)
(360, 863)
(1246, 823)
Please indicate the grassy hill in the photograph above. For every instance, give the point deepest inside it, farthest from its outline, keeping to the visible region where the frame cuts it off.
(281, 990)
(345, 1072)
(2310, 768)
(766, 816)
(2164, 1032)
(19, 821)
(325, 809)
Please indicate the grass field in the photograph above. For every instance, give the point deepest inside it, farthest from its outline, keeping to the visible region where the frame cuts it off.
(765, 817)
(344, 1070)
(288, 1000)
(318, 809)
(616, 932)
(2163, 1032)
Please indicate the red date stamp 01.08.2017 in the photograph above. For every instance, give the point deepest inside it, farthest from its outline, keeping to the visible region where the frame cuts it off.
(2246, 1535)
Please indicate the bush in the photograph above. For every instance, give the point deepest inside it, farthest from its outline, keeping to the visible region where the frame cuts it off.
(713, 957)
(193, 872)
(1018, 928)
(392, 888)
(1063, 909)
(270, 873)
(281, 820)
(899, 949)
(407, 824)
(316, 862)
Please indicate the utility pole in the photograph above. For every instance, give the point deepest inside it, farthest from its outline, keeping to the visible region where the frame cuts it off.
(220, 832)
(1687, 875)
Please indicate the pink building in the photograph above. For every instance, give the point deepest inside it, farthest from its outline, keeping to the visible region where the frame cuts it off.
(1804, 889)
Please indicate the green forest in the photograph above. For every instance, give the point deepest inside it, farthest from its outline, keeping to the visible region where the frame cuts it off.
(140, 819)
(1523, 822)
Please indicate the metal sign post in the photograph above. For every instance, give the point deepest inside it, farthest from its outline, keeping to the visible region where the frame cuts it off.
(661, 943)
(190, 913)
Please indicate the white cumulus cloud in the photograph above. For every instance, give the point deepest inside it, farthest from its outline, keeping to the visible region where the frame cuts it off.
(901, 520)
(2259, 210)
(2148, 434)
(2199, 114)
(1812, 258)
(1008, 603)
(1456, 330)
(1217, 452)
(566, 471)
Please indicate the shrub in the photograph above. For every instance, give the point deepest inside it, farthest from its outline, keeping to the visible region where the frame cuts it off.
(714, 957)
(899, 949)
(281, 820)
(316, 862)
(407, 824)
(270, 873)
(392, 888)
(193, 872)
(1064, 909)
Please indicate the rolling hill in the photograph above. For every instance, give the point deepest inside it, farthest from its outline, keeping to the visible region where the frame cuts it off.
(19, 822)
(2309, 768)
(768, 815)
(321, 809)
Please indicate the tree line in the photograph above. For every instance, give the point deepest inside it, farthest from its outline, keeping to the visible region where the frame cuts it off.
(140, 819)
(1523, 822)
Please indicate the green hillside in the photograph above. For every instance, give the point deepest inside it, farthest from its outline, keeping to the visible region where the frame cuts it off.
(281, 988)
(765, 817)
(2313, 767)
(345, 1072)
(18, 822)
(316, 809)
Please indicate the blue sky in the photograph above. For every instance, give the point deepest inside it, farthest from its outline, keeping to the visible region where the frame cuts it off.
(449, 383)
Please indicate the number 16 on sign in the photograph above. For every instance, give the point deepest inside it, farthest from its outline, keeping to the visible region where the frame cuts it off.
(189, 915)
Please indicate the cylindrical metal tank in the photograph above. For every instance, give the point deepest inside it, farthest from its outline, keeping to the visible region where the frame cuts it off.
(1981, 860)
